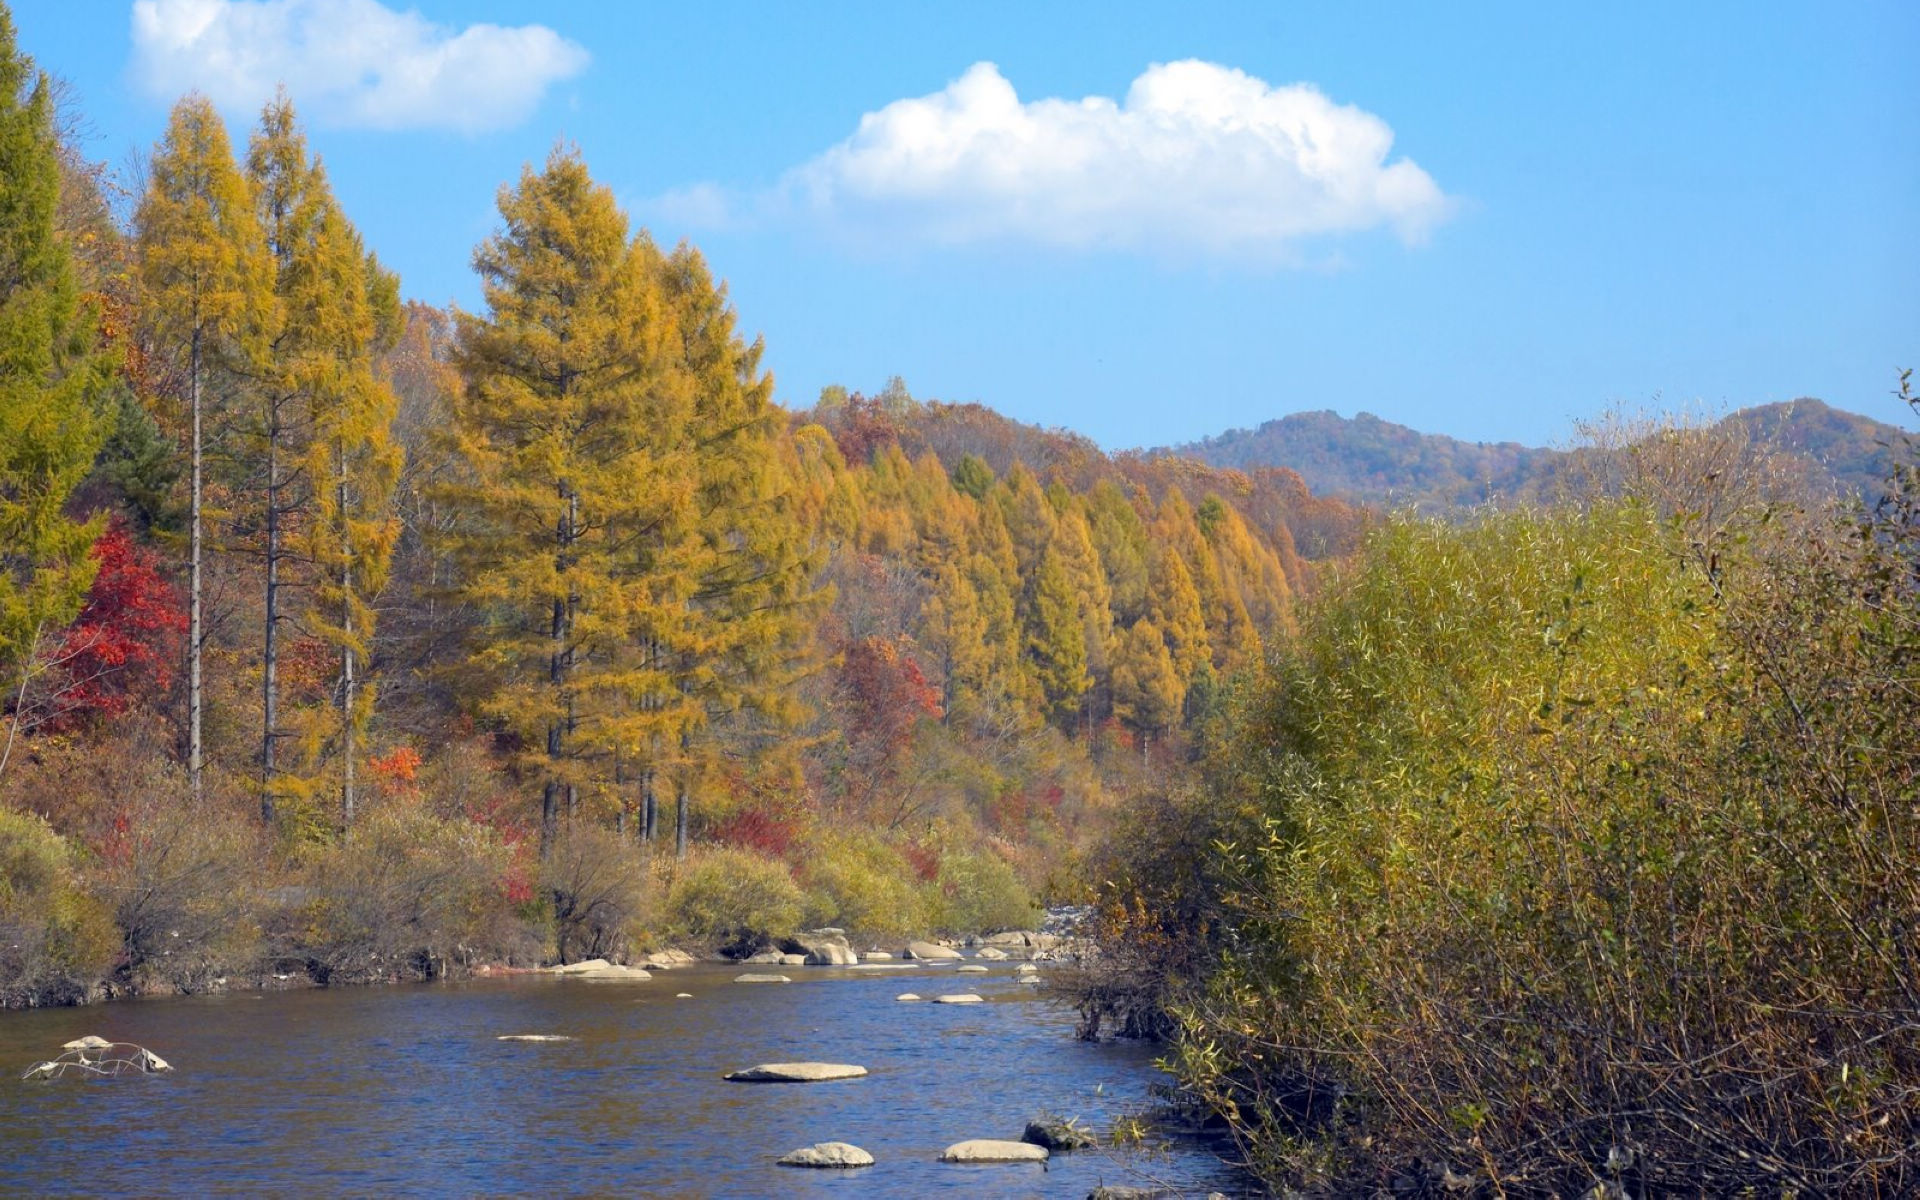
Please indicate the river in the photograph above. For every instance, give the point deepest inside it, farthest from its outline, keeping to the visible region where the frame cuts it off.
(407, 1089)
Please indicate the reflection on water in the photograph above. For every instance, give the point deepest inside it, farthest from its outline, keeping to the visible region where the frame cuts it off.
(406, 1089)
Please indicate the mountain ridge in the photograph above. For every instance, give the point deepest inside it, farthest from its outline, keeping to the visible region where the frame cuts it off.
(1372, 461)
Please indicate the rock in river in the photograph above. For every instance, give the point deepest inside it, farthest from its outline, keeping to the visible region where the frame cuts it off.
(751, 977)
(929, 952)
(992, 954)
(827, 1154)
(797, 1072)
(906, 998)
(973, 969)
(987, 1150)
(961, 998)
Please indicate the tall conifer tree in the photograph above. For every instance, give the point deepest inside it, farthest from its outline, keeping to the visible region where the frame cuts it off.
(207, 293)
(53, 375)
(567, 424)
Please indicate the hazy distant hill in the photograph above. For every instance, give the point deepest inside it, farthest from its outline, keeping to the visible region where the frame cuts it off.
(1372, 461)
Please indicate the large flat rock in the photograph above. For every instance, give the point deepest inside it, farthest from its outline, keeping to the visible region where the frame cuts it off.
(752, 977)
(614, 972)
(961, 998)
(929, 952)
(990, 1150)
(580, 968)
(797, 1072)
(827, 1154)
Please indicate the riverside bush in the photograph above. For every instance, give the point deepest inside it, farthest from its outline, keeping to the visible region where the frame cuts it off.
(859, 882)
(55, 940)
(404, 894)
(184, 885)
(979, 893)
(597, 882)
(735, 900)
(1586, 851)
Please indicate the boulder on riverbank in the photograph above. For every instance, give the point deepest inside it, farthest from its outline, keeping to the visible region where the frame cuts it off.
(989, 1150)
(796, 1072)
(667, 960)
(822, 948)
(929, 952)
(827, 1154)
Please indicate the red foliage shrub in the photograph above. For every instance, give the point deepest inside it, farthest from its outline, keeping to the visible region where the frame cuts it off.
(756, 829)
(125, 641)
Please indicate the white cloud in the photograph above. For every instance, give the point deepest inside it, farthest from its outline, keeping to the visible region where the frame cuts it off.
(350, 62)
(1199, 159)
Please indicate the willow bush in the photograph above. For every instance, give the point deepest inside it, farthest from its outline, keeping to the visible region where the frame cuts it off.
(1584, 852)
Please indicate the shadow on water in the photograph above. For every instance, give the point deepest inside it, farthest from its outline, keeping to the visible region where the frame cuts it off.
(407, 1089)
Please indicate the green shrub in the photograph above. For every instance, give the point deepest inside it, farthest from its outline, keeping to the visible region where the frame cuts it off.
(735, 900)
(860, 883)
(978, 893)
(56, 942)
(1578, 853)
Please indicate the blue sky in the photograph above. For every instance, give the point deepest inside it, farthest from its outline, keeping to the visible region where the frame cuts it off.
(1134, 223)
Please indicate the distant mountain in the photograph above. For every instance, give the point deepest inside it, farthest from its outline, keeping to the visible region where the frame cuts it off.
(1370, 461)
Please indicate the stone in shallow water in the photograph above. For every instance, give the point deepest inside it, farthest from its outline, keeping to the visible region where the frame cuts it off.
(970, 969)
(580, 968)
(797, 1072)
(929, 952)
(750, 977)
(628, 974)
(992, 954)
(533, 1037)
(875, 956)
(989, 1150)
(960, 998)
(906, 997)
(827, 1154)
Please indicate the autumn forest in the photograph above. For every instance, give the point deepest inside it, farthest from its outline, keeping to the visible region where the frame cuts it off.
(1560, 837)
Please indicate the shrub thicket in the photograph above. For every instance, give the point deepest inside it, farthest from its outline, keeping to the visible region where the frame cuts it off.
(406, 894)
(56, 941)
(1585, 850)
(734, 900)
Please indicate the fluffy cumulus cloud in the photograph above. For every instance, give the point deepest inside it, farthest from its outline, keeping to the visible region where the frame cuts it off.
(1198, 158)
(350, 62)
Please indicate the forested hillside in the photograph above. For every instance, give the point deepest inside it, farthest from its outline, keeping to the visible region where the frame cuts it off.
(1366, 460)
(350, 636)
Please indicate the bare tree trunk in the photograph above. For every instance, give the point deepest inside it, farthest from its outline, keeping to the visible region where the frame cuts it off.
(649, 807)
(269, 671)
(680, 820)
(195, 760)
(348, 682)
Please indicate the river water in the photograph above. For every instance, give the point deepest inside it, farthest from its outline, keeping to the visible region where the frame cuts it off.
(406, 1089)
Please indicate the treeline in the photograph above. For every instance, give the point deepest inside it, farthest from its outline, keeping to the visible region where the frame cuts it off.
(328, 619)
(1566, 851)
